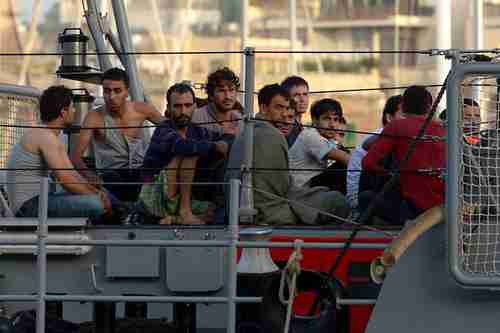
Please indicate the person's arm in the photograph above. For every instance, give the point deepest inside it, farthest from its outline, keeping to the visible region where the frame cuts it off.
(191, 147)
(150, 112)
(220, 139)
(57, 159)
(379, 149)
(232, 127)
(214, 136)
(55, 155)
(322, 149)
(369, 141)
(91, 120)
(166, 140)
(339, 156)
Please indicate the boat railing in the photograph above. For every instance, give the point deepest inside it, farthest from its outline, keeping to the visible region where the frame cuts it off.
(44, 239)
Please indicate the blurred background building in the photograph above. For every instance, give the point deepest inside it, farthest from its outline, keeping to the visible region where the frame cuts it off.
(200, 25)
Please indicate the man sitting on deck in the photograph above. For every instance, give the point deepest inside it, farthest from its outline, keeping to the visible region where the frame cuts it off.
(271, 180)
(221, 113)
(172, 157)
(315, 147)
(420, 191)
(298, 89)
(40, 149)
(119, 149)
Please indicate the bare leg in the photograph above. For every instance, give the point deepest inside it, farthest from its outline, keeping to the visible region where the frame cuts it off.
(186, 175)
(172, 171)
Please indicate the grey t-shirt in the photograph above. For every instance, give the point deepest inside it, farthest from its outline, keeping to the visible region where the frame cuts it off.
(309, 152)
(117, 150)
(23, 184)
(205, 117)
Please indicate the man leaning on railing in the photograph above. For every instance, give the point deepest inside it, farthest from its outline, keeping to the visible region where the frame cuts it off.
(172, 159)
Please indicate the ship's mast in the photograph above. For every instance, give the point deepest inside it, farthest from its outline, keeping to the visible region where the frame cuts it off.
(136, 89)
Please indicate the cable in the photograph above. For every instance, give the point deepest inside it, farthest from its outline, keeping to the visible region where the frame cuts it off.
(351, 131)
(424, 52)
(78, 128)
(431, 52)
(75, 128)
(369, 89)
(407, 171)
(340, 91)
(37, 54)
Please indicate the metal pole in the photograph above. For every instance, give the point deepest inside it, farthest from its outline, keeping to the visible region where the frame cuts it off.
(136, 90)
(92, 17)
(247, 210)
(232, 254)
(442, 20)
(196, 243)
(42, 234)
(115, 45)
(292, 12)
(149, 299)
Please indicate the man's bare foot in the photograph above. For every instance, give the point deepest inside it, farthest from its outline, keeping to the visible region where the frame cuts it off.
(187, 217)
(209, 216)
(167, 220)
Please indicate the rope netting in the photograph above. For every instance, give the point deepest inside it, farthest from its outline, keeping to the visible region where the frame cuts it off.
(479, 180)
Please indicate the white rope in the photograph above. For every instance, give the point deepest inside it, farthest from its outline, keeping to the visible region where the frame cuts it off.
(290, 273)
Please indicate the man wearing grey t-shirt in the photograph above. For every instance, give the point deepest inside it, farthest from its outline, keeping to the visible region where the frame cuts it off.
(315, 146)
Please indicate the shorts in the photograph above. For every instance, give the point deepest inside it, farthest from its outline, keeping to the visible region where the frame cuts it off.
(155, 198)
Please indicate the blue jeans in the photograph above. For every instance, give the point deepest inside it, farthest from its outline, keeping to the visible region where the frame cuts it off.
(65, 205)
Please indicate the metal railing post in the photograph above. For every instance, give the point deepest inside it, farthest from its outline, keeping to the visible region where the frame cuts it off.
(232, 280)
(42, 234)
(247, 210)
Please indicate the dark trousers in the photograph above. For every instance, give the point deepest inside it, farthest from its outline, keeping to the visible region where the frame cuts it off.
(211, 169)
(124, 192)
(334, 177)
(392, 209)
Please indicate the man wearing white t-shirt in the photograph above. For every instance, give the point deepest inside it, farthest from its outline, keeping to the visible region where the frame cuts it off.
(315, 146)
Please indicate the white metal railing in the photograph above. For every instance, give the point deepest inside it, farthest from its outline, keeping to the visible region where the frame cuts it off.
(43, 240)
